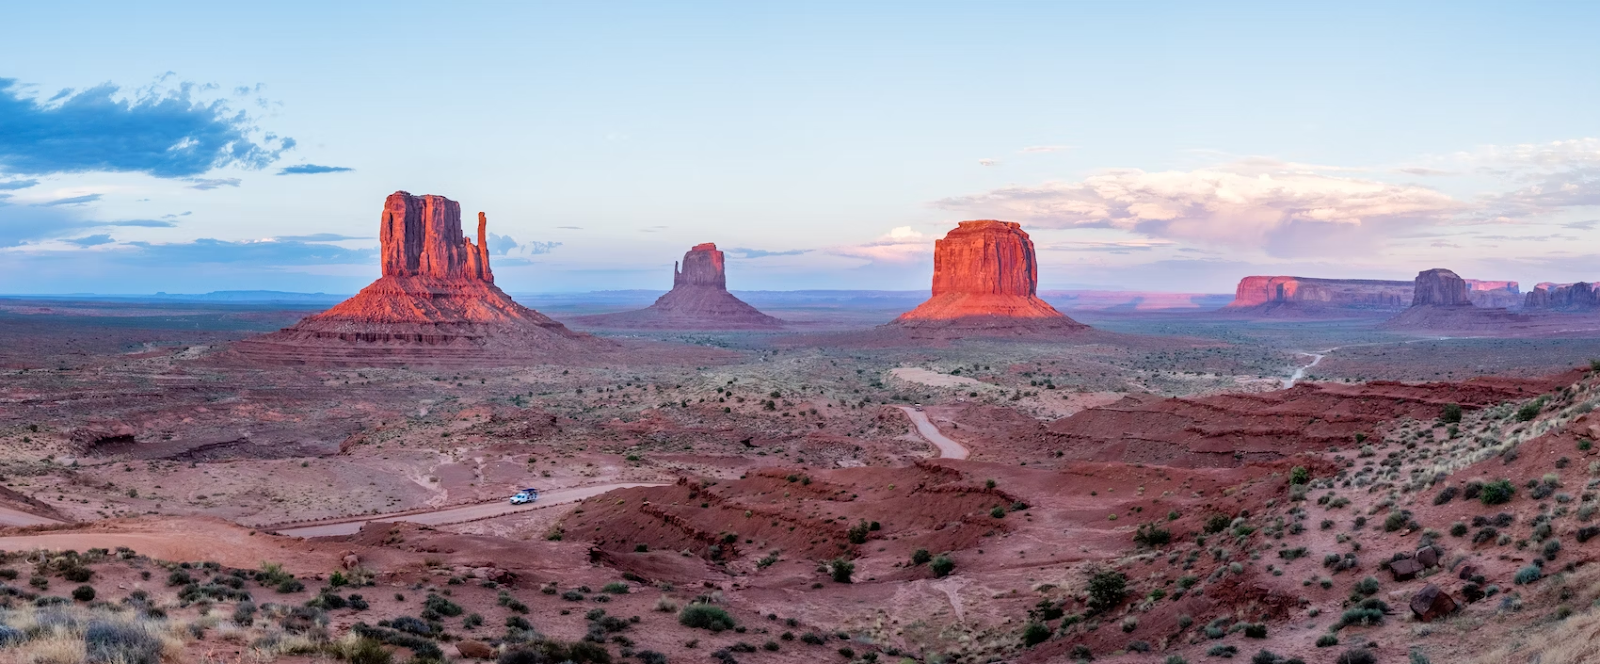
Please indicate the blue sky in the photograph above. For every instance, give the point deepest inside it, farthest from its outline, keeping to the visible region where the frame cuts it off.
(1158, 146)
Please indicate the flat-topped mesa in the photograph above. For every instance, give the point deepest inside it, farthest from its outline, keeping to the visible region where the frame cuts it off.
(1494, 294)
(986, 276)
(702, 266)
(1578, 296)
(1439, 287)
(699, 300)
(1265, 292)
(421, 237)
(436, 302)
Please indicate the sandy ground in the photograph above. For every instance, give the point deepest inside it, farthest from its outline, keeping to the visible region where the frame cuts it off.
(11, 517)
(460, 514)
(936, 379)
(948, 449)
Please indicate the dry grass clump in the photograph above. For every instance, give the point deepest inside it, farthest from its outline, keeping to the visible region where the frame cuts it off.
(1564, 636)
(73, 635)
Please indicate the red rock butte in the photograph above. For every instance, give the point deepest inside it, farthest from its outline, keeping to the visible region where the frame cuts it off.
(436, 301)
(986, 280)
(699, 300)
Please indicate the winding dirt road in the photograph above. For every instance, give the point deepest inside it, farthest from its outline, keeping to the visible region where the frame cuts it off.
(458, 514)
(948, 449)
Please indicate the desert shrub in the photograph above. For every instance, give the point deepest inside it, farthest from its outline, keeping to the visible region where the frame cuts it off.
(1447, 495)
(1265, 657)
(1450, 413)
(841, 570)
(1152, 535)
(1035, 634)
(615, 588)
(123, 643)
(1530, 410)
(441, 606)
(411, 625)
(1357, 656)
(650, 657)
(942, 565)
(1130, 623)
(858, 533)
(1175, 659)
(705, 616)
(572, 596)
(77, 574)
(1551, 548)
(1223, 651)
(363, 651)
(179, 577)
(1586, 533)
(1106, 590)
(83, 593)
(1327, 640)
(920, 556)
(1396, 520)
(1299, 475)
(811, 638)
(518, 622)
(1458, 529)
(998, 512)
(1528, 575)
(1217, 523)
(1498, 492)
(291, 586)
(1367, 586)
(1256, 630)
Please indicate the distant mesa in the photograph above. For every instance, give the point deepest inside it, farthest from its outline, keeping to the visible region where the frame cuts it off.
(1292, 296)
(1580, 296)
(436, 302)
(1440, 288)
(1441, 301)
(985, 282)
(699, 300)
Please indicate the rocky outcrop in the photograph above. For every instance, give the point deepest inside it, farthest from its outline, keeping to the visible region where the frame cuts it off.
(1269, 293)
(1494, 294)
(699, 300)
(1580, 296)
(1440, 288)
(985, 281)
(436, 302)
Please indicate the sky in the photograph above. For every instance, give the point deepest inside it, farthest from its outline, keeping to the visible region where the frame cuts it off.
(193, 147)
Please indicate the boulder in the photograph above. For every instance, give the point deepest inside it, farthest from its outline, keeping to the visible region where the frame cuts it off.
(475, 650)
(1428, 556)
(1432, 603)
(1467, 572)
(986, 279)
(1439, 288)
(1405, 569)
(699, 300)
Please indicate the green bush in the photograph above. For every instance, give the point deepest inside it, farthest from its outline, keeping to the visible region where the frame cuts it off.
(942, 565)
(1035, 634)
(841, 570)
(1450, 414)
(615, 588)
(1530, 410)
(83, 593)
(1327, 640)
(920, 557)
(705, 616)
(1106, 590)
(1497, 492)
(1528, 575)
(1299, 475)
(1152, 535)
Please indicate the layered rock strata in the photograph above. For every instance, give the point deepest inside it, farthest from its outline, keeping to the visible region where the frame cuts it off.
(436, 302)
(1580, 296)
(985, 280)
(699, 300)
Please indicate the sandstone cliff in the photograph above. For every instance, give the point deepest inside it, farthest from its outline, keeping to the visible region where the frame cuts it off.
(1265, 294)
(985, 280)
(1494, 294)
(1580, 296)
(436, 302)
(1440, 288)
(699, 300)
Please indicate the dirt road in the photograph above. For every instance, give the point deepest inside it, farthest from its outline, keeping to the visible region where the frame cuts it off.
(948, 449)
(460, 514)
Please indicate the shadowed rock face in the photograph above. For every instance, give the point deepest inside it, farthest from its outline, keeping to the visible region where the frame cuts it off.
(1494, 294)
(1268, 292)
(1581, 296)
(986, 277)
(699, 300)
(435, 301)
(1440, 288)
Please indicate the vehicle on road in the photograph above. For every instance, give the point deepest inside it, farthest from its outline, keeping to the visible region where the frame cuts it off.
(525, 496)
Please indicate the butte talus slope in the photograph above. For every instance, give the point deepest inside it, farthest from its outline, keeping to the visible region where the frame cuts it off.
(699, 300)
(436, 302)
(985, 283)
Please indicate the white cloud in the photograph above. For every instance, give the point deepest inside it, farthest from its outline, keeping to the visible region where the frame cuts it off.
(988, 162)
(1285, 211)
(901, 244)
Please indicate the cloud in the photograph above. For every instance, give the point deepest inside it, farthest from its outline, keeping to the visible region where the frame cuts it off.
(1112, 246)
(204, 184)
(75, 200)
(500, 244)
(1555, 154)
(1585, 225)
(571, 228)
(312, 169)
(92, 240)
(138, 223)
(1287, 212)
(319, 237)
(902, 244)
(512, 252)
(17, 184)
(246, 252)
(1038, 149)
(164, 133)
(1426, 172)
(741, 252)
(988, 162)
